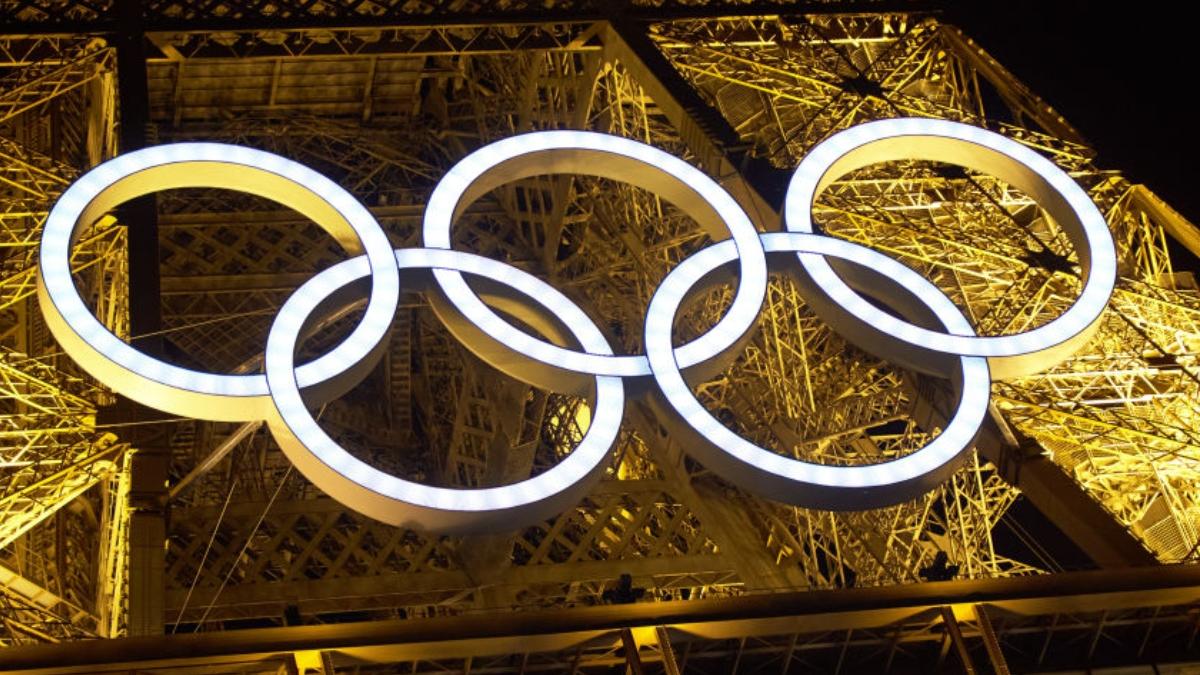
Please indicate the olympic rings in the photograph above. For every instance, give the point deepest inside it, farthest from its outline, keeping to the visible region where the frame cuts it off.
(794, 481)
(585, 152)
(883, 140)
(572, 354)
(400, 502)
(160, 385)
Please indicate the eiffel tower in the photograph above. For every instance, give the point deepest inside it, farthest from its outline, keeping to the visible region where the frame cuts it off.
(135, 541)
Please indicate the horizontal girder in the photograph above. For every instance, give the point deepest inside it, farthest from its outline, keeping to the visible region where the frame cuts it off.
(1045, 598)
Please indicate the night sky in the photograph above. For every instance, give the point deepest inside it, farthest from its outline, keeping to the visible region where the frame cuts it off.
(1120, 78)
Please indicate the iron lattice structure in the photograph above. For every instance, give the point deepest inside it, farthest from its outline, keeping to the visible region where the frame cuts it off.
(383, 97)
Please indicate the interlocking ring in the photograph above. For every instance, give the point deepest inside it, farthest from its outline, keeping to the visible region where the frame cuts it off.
(167, 387)
(795, 481)
(571, 354)
(585, 152)
(400, 502)
(1023, 353)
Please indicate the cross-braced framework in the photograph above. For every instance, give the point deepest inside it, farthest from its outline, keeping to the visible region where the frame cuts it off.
(383, 97)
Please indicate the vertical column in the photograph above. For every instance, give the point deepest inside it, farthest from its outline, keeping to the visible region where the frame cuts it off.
(147, 525)
(955, 638)
(990, 641)
(139, 215)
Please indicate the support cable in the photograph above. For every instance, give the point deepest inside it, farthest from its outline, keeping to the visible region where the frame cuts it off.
(249, 538)
(204, 558)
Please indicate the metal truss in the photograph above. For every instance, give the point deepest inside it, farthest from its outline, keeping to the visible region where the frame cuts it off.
(58, 16)
(383, 97)
(1029, 624)
(785, 85)
(62, 509)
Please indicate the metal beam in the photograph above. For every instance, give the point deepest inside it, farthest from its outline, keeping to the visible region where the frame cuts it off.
(397, 42)
(954, 633)
(670, 665)
(1016, 95)
(1060, 498)
(23, 509)
(721, 152)
(719, 149)
(990, 641)
(301, 20)
(721, 618)
(218, 453)
(147, 525)
(1171, 220)
(730, 526)
(365, 593)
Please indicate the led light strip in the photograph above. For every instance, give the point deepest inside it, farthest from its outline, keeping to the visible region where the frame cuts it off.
(167, 387)
(1010, 356)
(585, 152)
(572, 354)
(397, 501)
(794, 481)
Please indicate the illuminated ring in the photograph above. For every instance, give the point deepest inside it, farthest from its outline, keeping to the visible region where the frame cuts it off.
(180, 390)
(945, 141)
(793, 481)
(399, 502)
(932, 337)
(622, 159)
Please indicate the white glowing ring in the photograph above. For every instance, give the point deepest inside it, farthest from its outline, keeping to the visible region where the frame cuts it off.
(805, 483)
(181, 390)
(590, 153)
(576, 346)
(400, 502)
(942, 140)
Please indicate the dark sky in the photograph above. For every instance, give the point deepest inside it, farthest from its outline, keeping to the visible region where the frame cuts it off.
(1120, 77)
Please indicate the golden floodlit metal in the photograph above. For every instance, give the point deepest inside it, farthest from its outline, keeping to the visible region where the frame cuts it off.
(572, 356)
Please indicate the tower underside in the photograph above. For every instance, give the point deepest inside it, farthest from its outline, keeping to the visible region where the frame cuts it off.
(119, 521)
